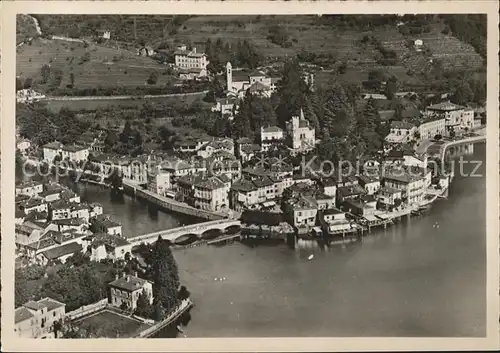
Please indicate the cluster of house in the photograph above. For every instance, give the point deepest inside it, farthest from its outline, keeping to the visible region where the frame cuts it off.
(441, 119)
(36, 319)
(307, 201)
(28, 95)
(52, 225)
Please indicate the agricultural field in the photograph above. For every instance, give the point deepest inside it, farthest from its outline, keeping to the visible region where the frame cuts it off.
(92, 65)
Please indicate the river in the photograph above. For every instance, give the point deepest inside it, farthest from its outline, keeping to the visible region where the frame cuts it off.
(414, 279)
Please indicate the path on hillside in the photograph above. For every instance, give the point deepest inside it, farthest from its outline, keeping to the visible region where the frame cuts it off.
(146, 96)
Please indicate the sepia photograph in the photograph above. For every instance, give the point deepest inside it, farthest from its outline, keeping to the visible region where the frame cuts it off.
(232, 176)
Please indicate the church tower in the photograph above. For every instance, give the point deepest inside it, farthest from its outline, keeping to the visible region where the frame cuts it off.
(229, 76)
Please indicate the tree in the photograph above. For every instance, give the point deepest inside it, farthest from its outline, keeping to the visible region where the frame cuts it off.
(126, 133)
(153, 78)
(291, 92)
(391, 88)
(143, 308)
(45, 72)
(165, 275)
(463, 93)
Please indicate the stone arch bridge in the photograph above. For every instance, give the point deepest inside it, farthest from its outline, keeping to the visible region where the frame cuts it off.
(190, 233)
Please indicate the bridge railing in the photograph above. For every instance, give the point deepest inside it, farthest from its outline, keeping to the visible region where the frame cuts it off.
(183, 229)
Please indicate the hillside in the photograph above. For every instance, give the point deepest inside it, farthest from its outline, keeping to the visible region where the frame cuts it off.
(347, 47)
(91, 65)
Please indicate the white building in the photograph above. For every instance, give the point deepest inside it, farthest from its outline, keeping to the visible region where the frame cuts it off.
(302, 136)
(23, 145)
(270, 136)
(210, 193)
(36, 319)
(29, 188)
(226, 106)
(456, 117)
(28, 95)
(191, 60)
(371, 184)
(401, 132)
(125, 291)
(108, 246)
(412, 185)
(303, 211)
(239, 82)
(217, 145)
(432, 128)
(159, 180)
(72, 153)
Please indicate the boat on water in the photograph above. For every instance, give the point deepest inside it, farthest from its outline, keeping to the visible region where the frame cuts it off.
(179, 328)
(310, 257)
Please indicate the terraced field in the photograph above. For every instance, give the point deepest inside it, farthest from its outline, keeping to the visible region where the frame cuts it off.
(106, 67)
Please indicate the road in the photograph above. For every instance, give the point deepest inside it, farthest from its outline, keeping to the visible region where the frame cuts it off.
(91, 98)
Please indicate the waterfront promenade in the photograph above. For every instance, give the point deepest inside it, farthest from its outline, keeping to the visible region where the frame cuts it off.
(176, 206)
(481, 137)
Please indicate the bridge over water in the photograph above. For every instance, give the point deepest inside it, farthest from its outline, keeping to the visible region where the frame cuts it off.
(190, 233)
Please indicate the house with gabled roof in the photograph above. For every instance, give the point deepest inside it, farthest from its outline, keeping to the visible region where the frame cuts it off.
(36, 319)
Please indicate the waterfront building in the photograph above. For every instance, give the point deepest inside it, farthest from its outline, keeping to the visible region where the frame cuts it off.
(124, 291)
(334, 221)
(250, 192)
(401, 132)
(456, 117)
(301, 135)
(371, 184)
(411, 185)
(104, 224)
(303, 211)
(271, 137)
(191, 61)
(412, 160)
(362, 206)
(389, 197)
(36, 319)
(159, 180)
(107, 246)
(205, 192)
(350, 192)
(432, 127)
(29, 188)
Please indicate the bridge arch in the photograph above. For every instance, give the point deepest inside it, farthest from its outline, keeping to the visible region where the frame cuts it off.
(211, 233)
(232, 229)
(186, 239)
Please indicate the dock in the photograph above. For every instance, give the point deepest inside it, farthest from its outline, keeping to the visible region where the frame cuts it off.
(185, 305)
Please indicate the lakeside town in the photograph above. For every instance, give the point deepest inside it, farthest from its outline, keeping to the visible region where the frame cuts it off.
(282, 157)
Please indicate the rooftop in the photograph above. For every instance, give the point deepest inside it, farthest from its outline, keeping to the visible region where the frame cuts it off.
(129, 283)
(401, 125)
(445, 107)
(271, 129)
(62, 250)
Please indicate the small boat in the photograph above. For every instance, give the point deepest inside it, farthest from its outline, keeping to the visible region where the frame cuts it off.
(179, 328)
(310, 257)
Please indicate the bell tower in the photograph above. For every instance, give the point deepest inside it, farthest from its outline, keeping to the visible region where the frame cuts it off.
(229, 76)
